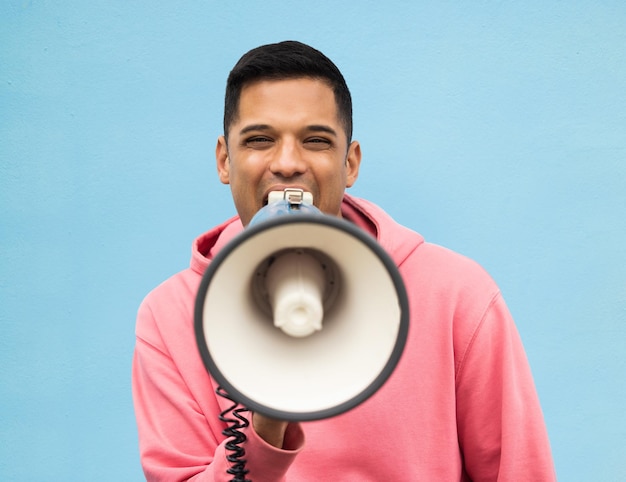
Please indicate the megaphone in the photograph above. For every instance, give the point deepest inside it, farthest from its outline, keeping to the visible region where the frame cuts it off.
(303, 315)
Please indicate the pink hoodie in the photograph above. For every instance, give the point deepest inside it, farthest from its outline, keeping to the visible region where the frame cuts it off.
(460, 406)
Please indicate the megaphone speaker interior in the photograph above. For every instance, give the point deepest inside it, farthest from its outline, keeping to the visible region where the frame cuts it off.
(363, 322)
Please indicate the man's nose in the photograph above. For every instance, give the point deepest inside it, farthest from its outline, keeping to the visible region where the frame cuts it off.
(288, 160)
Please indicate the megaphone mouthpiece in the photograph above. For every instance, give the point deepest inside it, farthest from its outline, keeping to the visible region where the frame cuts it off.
(291, 195)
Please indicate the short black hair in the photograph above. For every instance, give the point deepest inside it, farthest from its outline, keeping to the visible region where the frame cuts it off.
(282, 61)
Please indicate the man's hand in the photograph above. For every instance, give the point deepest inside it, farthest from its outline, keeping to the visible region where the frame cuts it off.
(270, 430)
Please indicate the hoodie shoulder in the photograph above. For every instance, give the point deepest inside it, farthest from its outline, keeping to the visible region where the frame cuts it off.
(398, 240)
(206, 246)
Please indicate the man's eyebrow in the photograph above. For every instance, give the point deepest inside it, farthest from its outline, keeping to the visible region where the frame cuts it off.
(267, 127)
(254, 127)
(322, 128)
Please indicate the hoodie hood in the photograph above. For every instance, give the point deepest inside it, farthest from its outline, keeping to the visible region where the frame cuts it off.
(394, 238)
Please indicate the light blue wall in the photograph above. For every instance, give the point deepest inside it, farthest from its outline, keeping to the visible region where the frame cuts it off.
(496, 128)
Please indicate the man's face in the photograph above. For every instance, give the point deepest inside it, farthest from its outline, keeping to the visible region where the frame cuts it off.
(287, 134)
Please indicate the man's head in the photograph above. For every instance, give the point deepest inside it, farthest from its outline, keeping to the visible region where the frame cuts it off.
(283, 61)
(287, 125)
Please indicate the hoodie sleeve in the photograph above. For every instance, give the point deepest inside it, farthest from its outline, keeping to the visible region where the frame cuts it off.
(500, 423)
(180, 434)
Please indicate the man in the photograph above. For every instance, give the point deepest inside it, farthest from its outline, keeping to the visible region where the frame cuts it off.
(461, 404)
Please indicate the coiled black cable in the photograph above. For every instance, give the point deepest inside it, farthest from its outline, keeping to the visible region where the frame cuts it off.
(236, 421)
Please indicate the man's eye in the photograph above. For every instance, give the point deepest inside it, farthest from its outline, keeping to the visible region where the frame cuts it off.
(317, 143)
(258, 142)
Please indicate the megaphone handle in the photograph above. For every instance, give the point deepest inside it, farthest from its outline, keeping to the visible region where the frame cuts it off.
(236, 421)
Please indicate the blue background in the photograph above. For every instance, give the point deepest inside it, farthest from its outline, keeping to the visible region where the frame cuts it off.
(495, 128)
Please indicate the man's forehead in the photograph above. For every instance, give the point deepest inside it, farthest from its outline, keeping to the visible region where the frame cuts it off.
(286, 80)
(302, 97)
(286, 84)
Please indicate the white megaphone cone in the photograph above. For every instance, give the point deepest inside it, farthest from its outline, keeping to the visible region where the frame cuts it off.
(303, 315)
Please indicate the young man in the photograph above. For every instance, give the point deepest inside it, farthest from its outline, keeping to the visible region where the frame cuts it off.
(461, 404)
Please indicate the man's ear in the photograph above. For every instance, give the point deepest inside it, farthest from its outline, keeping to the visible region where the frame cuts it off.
(221, 158)
(353, 162)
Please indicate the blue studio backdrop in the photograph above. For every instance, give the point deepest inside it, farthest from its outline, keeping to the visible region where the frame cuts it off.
(495, 128)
